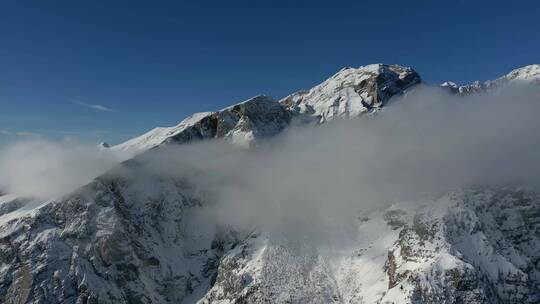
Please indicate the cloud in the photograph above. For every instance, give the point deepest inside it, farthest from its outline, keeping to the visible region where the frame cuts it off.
(421, 146)
(96, 107)
(5, 132)
(43, 169)
(300, 183)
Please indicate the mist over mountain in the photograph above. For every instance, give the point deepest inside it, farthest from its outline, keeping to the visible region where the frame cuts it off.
(371, 187)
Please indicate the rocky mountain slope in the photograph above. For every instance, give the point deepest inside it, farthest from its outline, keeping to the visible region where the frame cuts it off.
(352, 92)
(349, 93)
(129, 237)
(468, 247)
(241, 124)
(528, 74)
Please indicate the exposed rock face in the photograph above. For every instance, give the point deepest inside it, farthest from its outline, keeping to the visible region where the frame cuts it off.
(530, 72)
(111, 242)
(352, 92)
(529, 75)
(125, 239)
(266, 269)
(348, 94)
(477, 246)
(242, 124)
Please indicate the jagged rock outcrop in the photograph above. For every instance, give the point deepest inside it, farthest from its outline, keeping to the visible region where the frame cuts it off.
(111, 242)
(348, 94)
(128, 237)
(352, 92)
(525, 75)
(241, 124)
(475, 246)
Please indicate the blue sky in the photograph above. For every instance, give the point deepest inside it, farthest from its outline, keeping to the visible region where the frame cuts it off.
(110, 70)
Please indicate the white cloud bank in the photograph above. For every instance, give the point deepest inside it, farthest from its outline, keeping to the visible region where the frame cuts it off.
(423, 144)
(45, 169)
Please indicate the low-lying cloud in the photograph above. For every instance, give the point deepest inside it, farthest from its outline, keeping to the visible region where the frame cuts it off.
(42, 169)
(423, 144)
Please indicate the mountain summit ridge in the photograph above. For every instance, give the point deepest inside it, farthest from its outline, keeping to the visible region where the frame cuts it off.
(129, 237)
(349, 93)
(527, 74)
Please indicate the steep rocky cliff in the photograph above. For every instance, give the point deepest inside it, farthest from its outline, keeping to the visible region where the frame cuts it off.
(134, 237)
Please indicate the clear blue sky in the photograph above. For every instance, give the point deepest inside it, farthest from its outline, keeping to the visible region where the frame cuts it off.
(64, 64)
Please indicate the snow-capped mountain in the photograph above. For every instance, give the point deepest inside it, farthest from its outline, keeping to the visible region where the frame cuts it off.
(129, 237)
(349, 93)
(159, 135)
(352, 92)
(468, 247)
(528, 74)
(241, 124)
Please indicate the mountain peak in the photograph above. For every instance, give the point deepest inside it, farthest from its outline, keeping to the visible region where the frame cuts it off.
(348, 93)
(240, 123)
(134, 235)
(352, 91)
(158, 135)
(528, 72)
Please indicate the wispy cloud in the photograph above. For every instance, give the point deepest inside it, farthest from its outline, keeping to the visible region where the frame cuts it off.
(27, 134)
(19, 133)
(96, 107)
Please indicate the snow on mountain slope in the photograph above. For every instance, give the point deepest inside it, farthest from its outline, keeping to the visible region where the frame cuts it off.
(158, 135)
(352, 92)
(117, 240)
(349, 93)
(132, 238)
(141, 240)
(529, 74)
(240, 124)
(476, 246)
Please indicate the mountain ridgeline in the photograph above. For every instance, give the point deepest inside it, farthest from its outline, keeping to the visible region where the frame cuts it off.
(125, 238)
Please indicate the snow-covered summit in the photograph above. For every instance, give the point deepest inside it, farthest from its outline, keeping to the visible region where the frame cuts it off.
(352, 91)
(139, 238)
(158, 135)
(241, 124)
(449, 84)
(529, 72)
(349, 93)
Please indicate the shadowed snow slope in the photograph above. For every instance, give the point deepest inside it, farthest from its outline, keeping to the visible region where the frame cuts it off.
(352, 92)
(240, 124)
(319, 221)
(349, 93)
